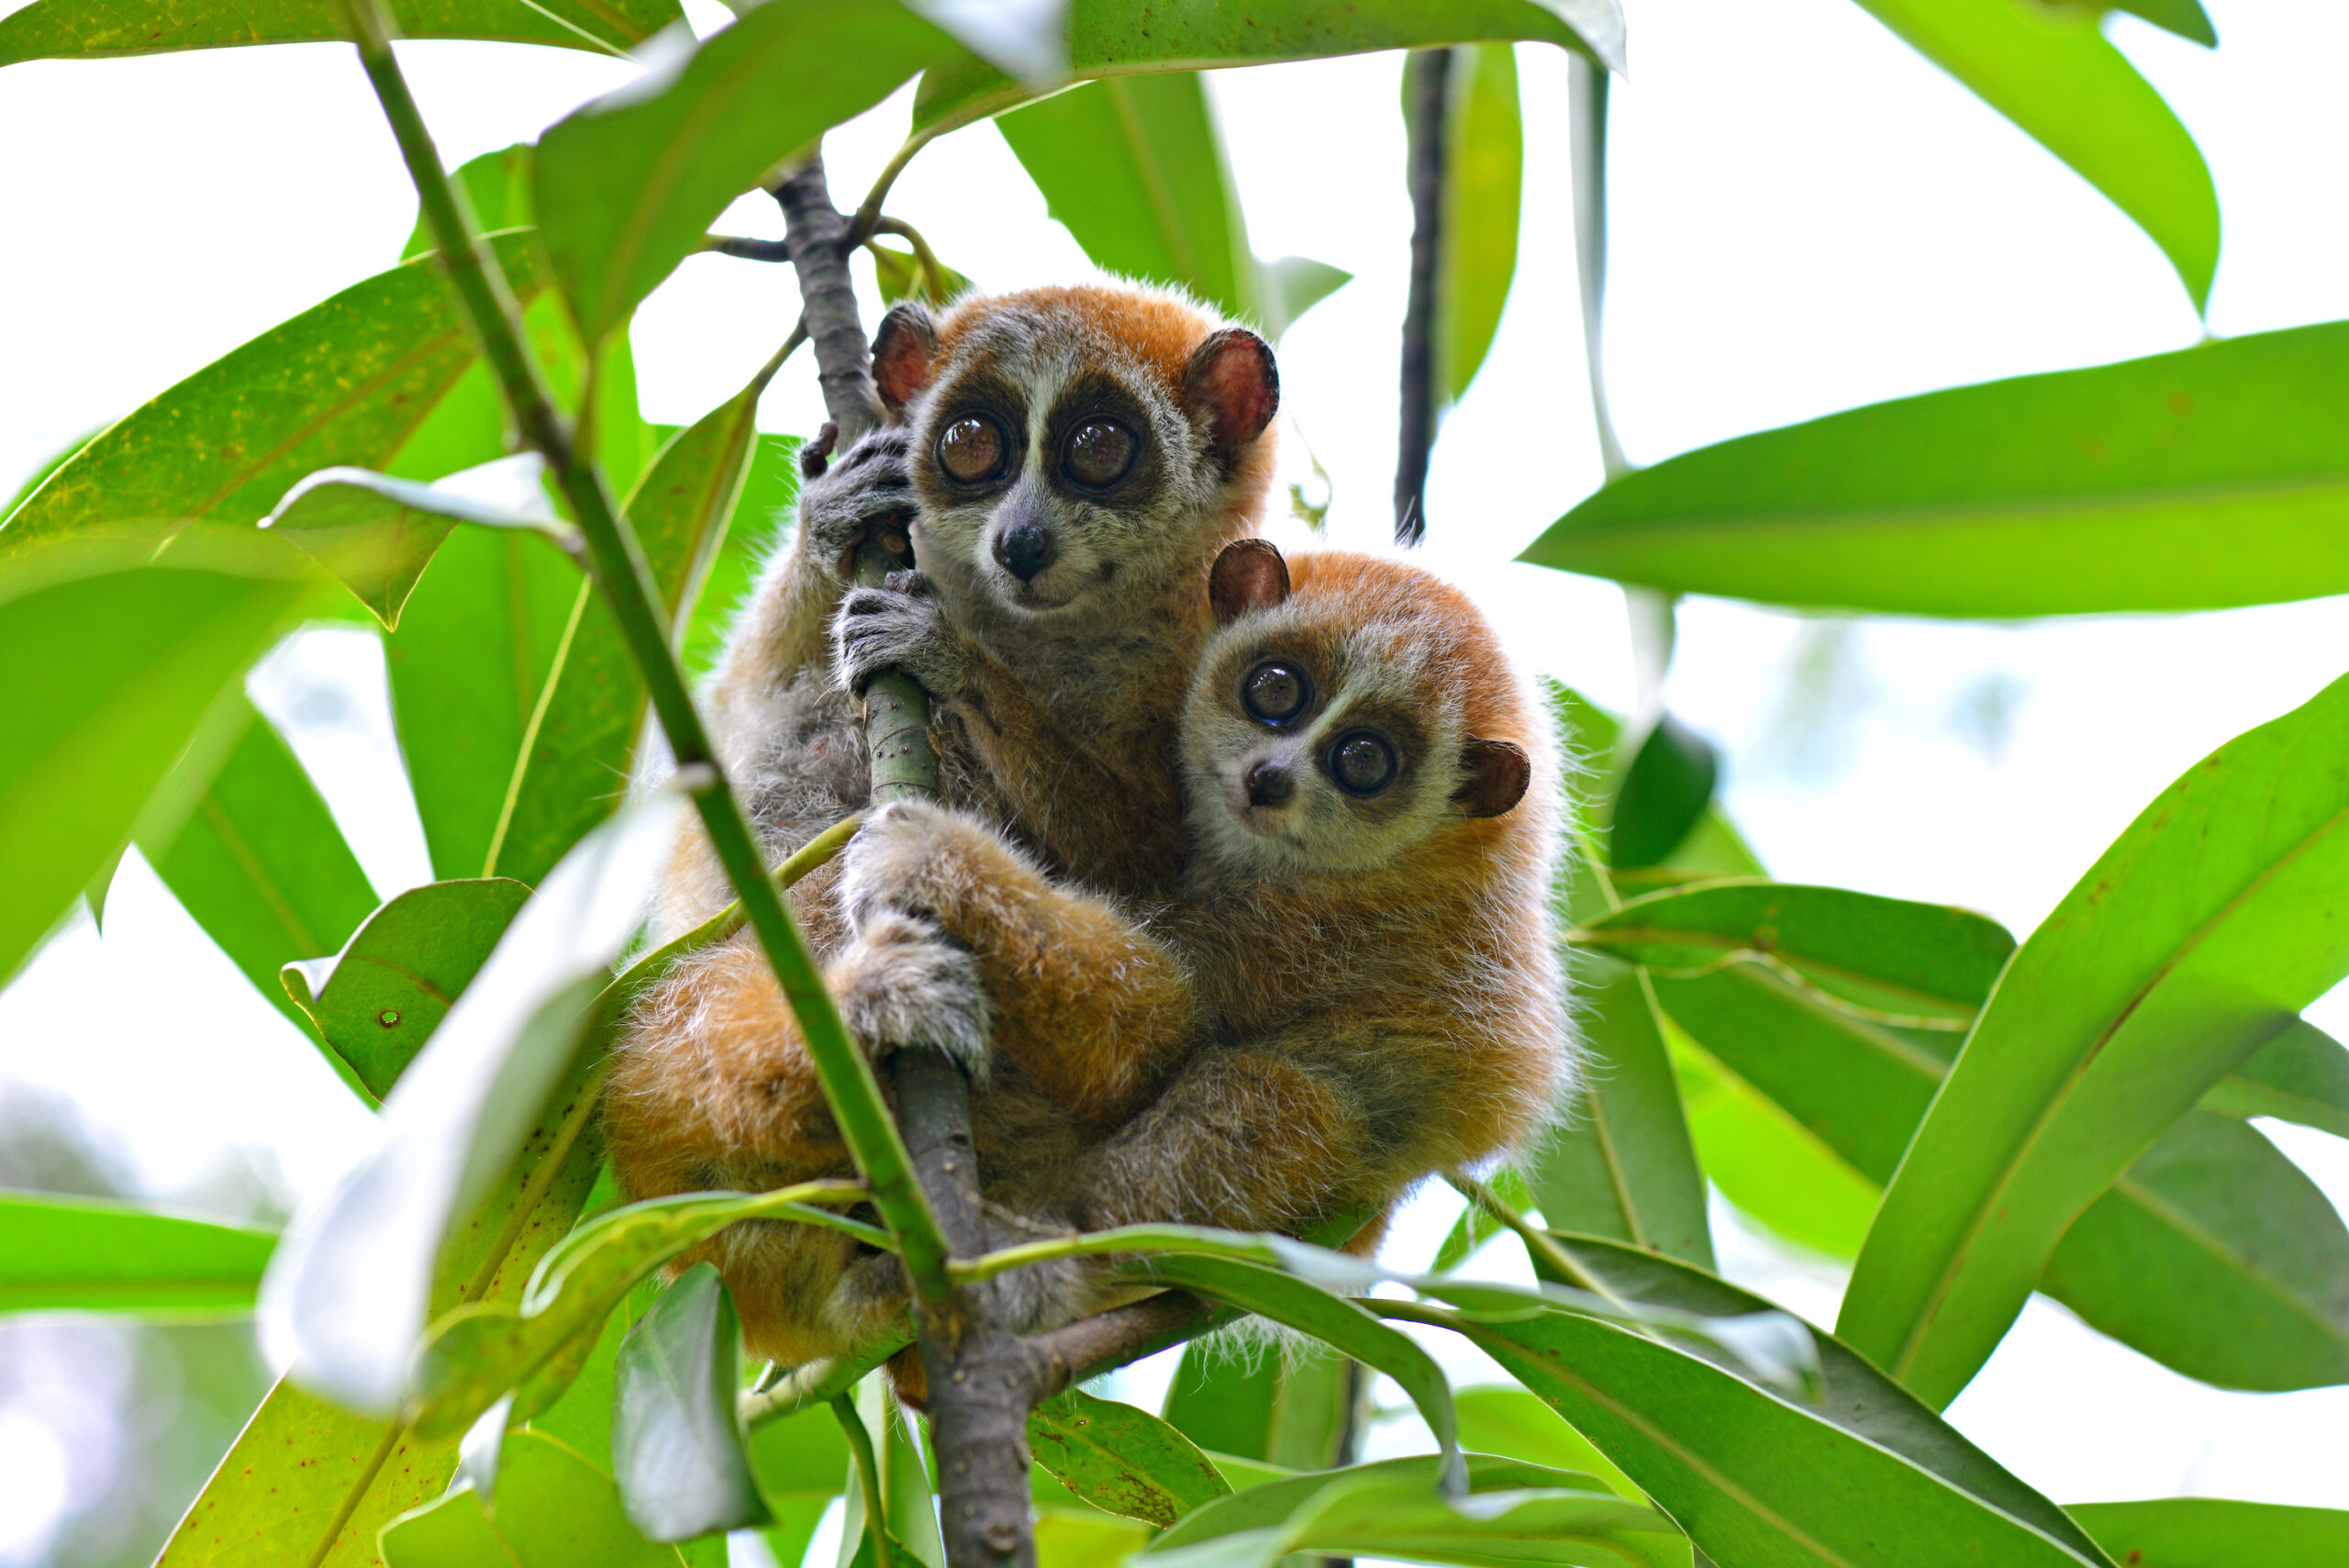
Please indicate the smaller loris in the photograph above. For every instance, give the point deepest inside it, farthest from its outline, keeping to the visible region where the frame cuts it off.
(1357, 987)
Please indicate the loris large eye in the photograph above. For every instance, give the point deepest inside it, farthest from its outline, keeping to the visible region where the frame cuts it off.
(972, 448)
(1275, 692)
(1099, 453)
(1362, 761)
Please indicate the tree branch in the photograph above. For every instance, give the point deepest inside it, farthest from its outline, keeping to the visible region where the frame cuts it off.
(1106, 1341)
(1426, 79)
(977, 1370)
(620, 573)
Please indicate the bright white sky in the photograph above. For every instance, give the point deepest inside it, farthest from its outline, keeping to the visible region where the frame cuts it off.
(1806, 216)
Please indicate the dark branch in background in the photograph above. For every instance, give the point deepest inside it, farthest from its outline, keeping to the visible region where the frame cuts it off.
(1587, 89)
(977, 1371)
(747, 248)
(1427, 80)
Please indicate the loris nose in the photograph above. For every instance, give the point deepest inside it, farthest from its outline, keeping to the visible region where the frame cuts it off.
(1269, 784)
(1025, 549)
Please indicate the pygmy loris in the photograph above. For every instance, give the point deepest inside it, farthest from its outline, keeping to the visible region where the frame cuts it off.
(1357, 985)
(1073, 460)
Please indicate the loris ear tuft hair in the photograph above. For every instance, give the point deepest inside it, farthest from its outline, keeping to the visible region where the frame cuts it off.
(1494, 777)
(1233, 378)
(1249, 575)
(902, 352)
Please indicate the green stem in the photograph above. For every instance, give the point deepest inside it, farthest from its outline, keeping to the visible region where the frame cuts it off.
(626, 583)
(868, 1473)
(1545, 1248)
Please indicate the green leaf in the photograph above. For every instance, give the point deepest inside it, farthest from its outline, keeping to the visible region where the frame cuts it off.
(1514, 1422)
(902, 274)
(1068, 1539)
(259, 862)
(2216, 1532)
(626, 187)
(1665, 791)
(1476, 1225)
(109, 677)
(376, 534)
(554, 1510)
(184, 479)
(677, 1439)
(61, 29)
(1484, 178)
(1514, 1513)
(2301, 1076)
(1887, 955)
(2195, 938)
(580, 747)
(1333, 1319)
(377, 1001)
(2196, 480)
(1288, 287)
(351, 1287)
(2185, 17)
(2217, 1257)
(1865, 1474)
(1134, 168)
(63, 1255)
(762, 515)
(2053, 74)
(1767, 1163)
(477, 1353)
(1121, 1460)
(800, 1457)
(1222, 1401)
(497, 185)
(1623, 1165)
(1106, 39)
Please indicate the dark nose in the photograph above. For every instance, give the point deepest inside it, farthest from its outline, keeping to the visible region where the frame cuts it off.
(1025, 549)
(1268, 784)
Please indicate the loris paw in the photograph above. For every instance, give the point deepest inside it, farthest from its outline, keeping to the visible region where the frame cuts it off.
(899, 626)
(905, 982)
(870, 483)
(915, 858)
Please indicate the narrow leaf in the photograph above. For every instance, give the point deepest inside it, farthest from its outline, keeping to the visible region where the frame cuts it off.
(677, 1443)
(59, 1253)
(1134, 168)
(2216, 1532)
(376, 534)
(1108, 40)
(1484, 180)
(377, 1001)
(1665, 791)
(1121, 1460)
(2194, 939)
(626, 187)
(2053, 72)
(1288, 287)
(61, 29)
(554, 1510)
(258, 861)
(2195, 479)
(2301, 1076)
(349, 1290)
(1864, 1473)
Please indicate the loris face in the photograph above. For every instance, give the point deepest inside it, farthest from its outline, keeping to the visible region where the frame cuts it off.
(1324, 733)
(1073, 448)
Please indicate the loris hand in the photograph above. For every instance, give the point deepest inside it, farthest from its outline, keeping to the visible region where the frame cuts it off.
(900, 627)
(841, 502)
(905, 982)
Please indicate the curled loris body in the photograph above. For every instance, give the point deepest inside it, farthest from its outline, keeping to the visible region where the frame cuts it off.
(1073, 460)
(1356, 985)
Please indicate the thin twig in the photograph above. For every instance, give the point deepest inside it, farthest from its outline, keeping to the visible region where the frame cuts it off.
(1427, 82)
(494, 317)
(743, 248)
(1106, 1341)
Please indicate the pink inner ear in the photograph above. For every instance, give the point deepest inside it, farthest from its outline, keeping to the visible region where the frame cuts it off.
(1233, 376)
(1249, 575)
(902, 351)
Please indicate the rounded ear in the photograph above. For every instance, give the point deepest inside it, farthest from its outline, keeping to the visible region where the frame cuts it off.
(1232, 378)
(903, 351)
(1249, 575)
(1494, 774)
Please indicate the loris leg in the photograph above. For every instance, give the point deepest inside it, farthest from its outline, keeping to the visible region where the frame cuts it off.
(1244, 1139)
(1091, 1006)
